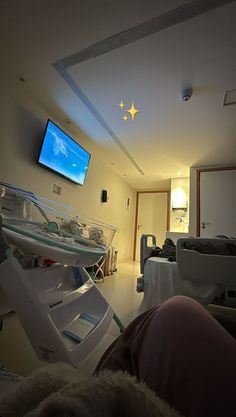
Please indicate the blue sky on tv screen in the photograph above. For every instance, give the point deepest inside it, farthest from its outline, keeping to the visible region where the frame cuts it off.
(60, 153)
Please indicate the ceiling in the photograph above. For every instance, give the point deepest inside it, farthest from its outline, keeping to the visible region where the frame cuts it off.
(80, 59)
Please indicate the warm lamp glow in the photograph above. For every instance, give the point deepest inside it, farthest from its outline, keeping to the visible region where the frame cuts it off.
(179, 201)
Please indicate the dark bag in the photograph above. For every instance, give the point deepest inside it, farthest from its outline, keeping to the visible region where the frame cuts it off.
(168, 250)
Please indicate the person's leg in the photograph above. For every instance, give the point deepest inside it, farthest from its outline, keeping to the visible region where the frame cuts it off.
(118, 355)
(182, 354)
(188, 359)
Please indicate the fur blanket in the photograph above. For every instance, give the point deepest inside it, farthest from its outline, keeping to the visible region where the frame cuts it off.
(59, 391)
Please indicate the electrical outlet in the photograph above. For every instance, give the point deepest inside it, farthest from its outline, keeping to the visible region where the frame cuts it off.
(56, 189)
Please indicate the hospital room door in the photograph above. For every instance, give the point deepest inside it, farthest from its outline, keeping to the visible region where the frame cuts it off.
(152, 217)
(216, 203)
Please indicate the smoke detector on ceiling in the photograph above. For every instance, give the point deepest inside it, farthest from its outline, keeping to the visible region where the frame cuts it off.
(186, 94)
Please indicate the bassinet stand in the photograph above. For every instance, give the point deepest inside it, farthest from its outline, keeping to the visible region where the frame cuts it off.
(50, 300)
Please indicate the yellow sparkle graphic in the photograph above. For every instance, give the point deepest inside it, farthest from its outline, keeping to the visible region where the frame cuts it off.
(125, 118)
(133, 110)
(121, 105)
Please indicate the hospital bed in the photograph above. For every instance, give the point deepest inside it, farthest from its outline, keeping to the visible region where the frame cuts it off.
(60, 307)
(205, 269)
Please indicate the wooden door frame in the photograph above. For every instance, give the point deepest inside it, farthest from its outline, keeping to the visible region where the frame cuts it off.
(136, 213)
(198, 191)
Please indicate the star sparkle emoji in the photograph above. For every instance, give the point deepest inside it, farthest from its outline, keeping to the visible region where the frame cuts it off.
(133, 111)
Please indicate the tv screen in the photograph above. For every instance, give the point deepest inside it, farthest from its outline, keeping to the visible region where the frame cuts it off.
(63, 155)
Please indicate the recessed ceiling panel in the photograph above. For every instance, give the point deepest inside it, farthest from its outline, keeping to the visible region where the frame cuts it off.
(152, 72)
(133, 90)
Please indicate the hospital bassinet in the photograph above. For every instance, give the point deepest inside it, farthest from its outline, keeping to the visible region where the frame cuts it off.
(60, 307)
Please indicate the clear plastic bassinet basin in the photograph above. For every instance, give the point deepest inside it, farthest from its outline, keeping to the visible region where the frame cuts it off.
(51, 223)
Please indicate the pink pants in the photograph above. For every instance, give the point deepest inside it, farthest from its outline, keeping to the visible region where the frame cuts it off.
(183, 354)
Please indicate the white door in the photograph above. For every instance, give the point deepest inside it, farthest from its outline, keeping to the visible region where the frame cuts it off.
(218, 203)
(152, 217)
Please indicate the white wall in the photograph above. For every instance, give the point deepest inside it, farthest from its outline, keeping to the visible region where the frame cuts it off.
(22, 124)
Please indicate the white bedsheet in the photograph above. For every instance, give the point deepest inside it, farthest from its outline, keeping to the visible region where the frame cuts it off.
(162, 281)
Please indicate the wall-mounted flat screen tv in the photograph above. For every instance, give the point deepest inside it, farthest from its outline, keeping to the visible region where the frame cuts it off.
(62, 155)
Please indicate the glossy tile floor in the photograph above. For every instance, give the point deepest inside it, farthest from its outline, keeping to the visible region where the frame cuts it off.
(119, 289)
